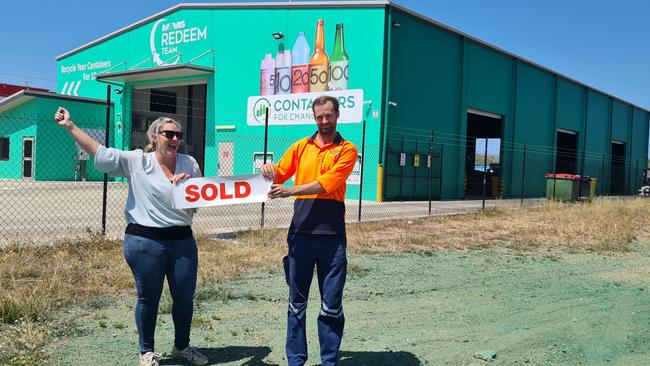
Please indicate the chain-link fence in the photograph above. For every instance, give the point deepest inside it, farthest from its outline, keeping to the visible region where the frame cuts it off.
(50, 190)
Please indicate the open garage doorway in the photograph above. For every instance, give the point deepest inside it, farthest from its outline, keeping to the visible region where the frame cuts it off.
(483, 154)
(617, 177)
(566, 157)
(185, 103)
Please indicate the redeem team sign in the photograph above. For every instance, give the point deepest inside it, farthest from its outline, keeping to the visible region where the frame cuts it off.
(219, 191)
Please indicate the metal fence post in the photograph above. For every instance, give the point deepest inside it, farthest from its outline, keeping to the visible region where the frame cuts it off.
(554, 171)
(429, 167)
(106, 143)
(602, 178)
(442, 149)
(363, 155)
(266, 140)
(523, 177)
(484, 173)
(401, 171)
(415, 170)
(636, 177)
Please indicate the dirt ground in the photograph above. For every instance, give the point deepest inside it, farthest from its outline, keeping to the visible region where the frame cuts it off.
(429, 308)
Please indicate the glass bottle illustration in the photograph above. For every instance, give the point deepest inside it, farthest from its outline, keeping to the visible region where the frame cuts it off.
(283, 71)
(339, 63)
(300, 65)
(319, 62)
(267, 75)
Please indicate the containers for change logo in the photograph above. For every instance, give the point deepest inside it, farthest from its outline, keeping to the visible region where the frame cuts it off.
(260, 108)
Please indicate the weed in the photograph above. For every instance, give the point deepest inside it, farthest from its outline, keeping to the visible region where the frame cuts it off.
(201, 322)
(23, 343)
(356, 270)
(17, 306)
(67, 327)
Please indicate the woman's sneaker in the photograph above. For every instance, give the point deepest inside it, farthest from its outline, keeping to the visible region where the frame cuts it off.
(149, 359)
(191, 355)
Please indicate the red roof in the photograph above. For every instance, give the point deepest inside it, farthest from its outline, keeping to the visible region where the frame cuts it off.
(8, 89)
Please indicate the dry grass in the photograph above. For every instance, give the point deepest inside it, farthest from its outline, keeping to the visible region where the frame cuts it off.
(36, 280)
(605, 225)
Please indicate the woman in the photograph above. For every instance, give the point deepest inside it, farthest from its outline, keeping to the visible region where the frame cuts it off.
(158, 241)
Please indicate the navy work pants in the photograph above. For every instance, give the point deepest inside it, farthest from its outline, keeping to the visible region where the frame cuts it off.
(327, 253)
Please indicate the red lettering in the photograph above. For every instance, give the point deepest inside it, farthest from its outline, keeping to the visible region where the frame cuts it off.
(210, 192)
(213, 190)
(224, 195)
(192, 192)
(242, 189)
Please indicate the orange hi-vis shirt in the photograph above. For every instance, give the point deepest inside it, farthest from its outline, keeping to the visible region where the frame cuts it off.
(330, 165)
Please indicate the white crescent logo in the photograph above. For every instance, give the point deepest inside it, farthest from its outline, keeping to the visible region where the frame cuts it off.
(152, 43)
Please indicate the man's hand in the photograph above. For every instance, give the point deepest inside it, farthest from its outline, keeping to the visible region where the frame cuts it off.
(62, 117)
(268, 172)
(279, 191)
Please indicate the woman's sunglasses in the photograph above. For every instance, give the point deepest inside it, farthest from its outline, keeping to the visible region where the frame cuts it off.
(170, 134)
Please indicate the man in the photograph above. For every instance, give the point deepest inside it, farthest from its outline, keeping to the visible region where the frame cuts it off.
(321, 164)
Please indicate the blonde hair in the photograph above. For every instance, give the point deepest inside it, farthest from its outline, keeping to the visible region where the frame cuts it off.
(156, 127)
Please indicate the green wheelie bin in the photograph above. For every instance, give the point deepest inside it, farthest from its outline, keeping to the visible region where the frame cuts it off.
(563, 187)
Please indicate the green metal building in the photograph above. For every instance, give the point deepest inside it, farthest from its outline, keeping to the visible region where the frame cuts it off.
(33, 147)
(429, 96)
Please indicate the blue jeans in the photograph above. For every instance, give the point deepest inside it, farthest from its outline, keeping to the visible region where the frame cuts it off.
(150, 261)
(327, 253)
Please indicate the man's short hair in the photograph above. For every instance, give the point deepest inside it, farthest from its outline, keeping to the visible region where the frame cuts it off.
(323, 99)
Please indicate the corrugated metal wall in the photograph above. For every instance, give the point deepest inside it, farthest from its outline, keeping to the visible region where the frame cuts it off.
(436, 75)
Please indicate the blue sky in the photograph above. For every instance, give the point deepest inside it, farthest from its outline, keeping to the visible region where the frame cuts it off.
(601, 43)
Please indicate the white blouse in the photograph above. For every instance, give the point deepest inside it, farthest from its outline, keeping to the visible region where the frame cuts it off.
(149, 202)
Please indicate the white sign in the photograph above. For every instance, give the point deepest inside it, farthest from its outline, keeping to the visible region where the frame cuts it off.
(355, 176)
(258, 161)
(220, 191)
(402, 159)
(295, 109)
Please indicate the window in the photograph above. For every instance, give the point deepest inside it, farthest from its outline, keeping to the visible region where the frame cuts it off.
(4, 148)
(162, 101)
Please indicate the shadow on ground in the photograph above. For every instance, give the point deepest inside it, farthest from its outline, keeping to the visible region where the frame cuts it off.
(387, 358)
(254, 356)
(250, 356)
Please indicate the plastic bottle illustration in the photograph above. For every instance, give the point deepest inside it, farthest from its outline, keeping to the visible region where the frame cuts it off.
(339, 63)
(267, 75)
(283, 71)
(319, 62)
(300, 65)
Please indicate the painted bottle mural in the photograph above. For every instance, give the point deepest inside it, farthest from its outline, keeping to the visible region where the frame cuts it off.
(300, 65)
(283, 71)
(267, 75)
(339, 63)
(319, 62)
